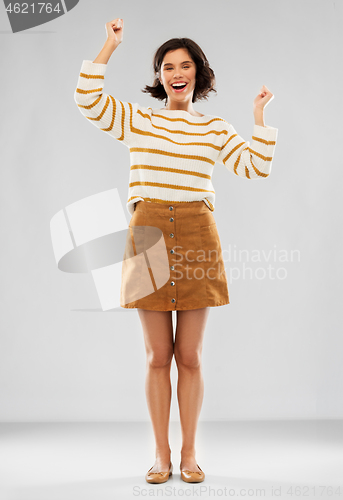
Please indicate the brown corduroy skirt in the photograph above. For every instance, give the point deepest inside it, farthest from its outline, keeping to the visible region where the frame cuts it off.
(173, 258)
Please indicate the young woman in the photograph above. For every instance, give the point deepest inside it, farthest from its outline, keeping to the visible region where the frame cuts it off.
(173, 151)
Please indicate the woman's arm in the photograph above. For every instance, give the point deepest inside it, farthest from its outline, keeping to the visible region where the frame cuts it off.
(114, 31)
(103, 110)
(251, 161)
(106, 52)
(259, 117)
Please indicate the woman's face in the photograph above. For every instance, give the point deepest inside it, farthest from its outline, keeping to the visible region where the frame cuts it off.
(178, 67)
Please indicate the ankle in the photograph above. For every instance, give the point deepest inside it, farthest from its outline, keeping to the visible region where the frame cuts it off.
(187, 453)
(163, 453)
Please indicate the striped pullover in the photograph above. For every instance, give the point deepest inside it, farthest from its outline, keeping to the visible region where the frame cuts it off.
(172, 153)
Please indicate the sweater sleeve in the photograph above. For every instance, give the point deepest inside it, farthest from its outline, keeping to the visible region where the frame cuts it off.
(249, 161)
(104, 111)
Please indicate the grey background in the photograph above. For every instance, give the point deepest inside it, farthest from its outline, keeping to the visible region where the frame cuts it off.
(275, 351)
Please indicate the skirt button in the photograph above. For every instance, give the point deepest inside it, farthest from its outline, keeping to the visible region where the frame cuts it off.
(172, 283)
(170, 208)
(172, 268)
(171, 251)
(173, 300)
(171, 219)
(171, 235)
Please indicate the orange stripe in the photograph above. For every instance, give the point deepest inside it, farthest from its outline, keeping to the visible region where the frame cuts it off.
(232, 151)
(169, 186)
(81, 91)
(178, 155)
(184, 120)
(182, 131)
(122, 118)
(229, 139)
(99, 117)
(101, 114)
(236, 165)
(87, 75)
(211, 206)
(266, 158)
(261, 174)
(89, 106)
(167, 169)
(262, 140)
(143, 132)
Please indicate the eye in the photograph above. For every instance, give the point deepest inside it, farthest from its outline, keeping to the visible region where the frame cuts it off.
(172, 68)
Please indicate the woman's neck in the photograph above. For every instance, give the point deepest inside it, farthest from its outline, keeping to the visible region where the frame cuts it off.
(178, 107)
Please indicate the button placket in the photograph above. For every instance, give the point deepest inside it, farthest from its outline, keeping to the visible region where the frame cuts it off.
(171, 235)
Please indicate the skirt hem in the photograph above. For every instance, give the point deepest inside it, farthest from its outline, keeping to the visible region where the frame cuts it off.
(176, 308)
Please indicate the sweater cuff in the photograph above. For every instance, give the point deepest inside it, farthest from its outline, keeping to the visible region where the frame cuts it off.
(268, 133)
(93, 68)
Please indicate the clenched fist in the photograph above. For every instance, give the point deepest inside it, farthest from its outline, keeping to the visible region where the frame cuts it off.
(263, 98)
(114, 30)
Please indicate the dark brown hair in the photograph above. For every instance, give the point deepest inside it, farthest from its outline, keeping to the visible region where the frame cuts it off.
(205, 77)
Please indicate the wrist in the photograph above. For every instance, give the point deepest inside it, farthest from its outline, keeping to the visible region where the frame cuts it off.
(258, 115)
(112, 43)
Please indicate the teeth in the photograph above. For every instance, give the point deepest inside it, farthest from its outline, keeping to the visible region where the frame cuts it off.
(178, 84)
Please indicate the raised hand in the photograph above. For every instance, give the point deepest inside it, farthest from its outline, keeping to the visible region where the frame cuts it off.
(114, 30)
(263, 98)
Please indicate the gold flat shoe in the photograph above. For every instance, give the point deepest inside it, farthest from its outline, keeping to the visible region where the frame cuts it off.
(158, 477)
(192, 477)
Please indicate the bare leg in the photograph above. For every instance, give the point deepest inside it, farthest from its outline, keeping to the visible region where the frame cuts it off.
(158, 338)
(189, 335)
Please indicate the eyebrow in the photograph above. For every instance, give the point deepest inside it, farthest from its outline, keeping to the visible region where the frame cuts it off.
(167, 64)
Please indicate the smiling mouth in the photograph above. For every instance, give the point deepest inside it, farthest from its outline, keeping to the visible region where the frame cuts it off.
(179, 88)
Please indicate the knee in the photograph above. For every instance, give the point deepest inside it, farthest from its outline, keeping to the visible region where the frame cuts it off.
(191, 360)
(159, 359)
